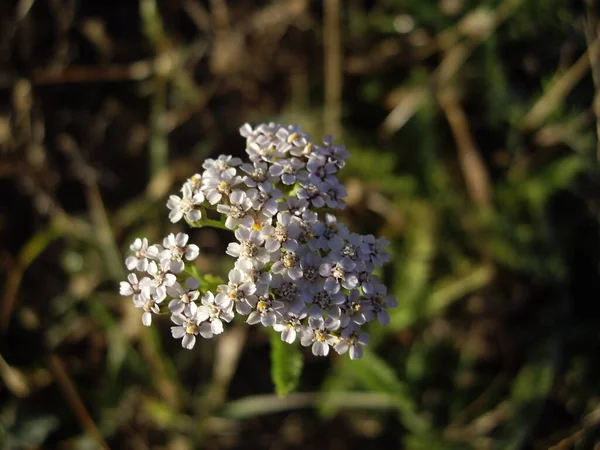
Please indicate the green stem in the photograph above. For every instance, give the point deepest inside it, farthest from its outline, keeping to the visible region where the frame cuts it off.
(212, 223)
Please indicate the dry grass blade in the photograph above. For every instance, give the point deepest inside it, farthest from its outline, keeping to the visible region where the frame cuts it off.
(74, 400)
(591, 34)
(333, 67)
(476, 177)
(559, 89)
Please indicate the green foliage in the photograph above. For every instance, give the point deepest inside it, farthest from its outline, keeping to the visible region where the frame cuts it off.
(286, 365)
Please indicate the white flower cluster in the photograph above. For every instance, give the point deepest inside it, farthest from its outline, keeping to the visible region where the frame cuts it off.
(297, 269)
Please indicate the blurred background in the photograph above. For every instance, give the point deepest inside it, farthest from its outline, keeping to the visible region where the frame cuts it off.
(472, 127)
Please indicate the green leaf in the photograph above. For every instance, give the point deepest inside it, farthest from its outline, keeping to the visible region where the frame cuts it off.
(374, 374)
(286, 365)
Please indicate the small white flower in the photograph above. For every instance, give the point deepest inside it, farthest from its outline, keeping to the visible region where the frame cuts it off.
(238, 211)
(216, 186)
(183, 298)
(237, 292)
(283, 234)
(161, 276)
(221, 164)
(175, 249)
(139, 261)
(250, 246)
(132, 286)
(186, 206)
(189, 324)
(148, 301)
(216, 314)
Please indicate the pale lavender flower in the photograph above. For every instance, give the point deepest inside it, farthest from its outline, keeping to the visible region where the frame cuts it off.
(352, 310)
(314, 194)
(287, 264)
(221, 164)
(311, 280)
(264, 199)
(318, 335)
(286, 291)
(352, 341)
(250, 246)
(289, 170)
(335, 194)
(289, 325)
(323, 302)
(338, 273)
(266, 312)
(376, 303)
(283, 234)
(257, 175)
(320, 170)
(328, 235)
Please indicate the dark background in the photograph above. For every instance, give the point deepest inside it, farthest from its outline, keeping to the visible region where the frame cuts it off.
(472, 128)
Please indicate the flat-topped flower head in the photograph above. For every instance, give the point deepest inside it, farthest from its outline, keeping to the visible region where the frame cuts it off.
(295, 267)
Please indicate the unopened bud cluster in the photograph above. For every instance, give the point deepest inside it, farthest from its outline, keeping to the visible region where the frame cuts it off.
(297, 269)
